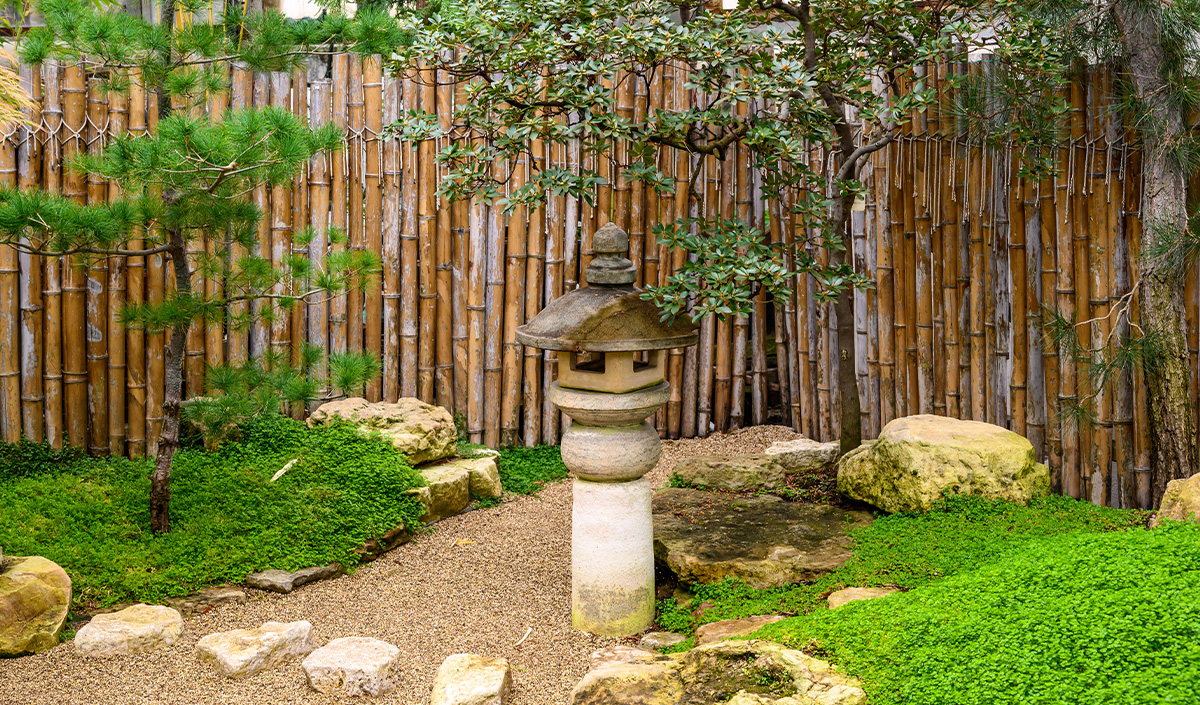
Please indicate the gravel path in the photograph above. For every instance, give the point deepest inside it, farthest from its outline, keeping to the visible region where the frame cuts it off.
(431, 598)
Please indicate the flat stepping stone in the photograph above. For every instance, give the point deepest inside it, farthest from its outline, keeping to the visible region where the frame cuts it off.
(202, 601)
(713, 632)
(131, 630)
(763, 540)
(854, 594)
(352, 666)
(285, 581)
(470, 679)
(244, 652)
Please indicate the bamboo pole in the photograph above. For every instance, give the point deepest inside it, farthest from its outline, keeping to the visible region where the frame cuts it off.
(494, 320)
(339, 176)
(74, 281)
(237, 330)
(427, 264)
(96, 332)
(512, 311)
(320, 94)
(29, 175)
(155, 341)
(1100, 253)
(444, 369)
(118, 276)
(373, 235)
(460, 227)
(396, 190)
(534, 275)
(281, 234)
(355, 126)
(555, 273)
(215, 244)
(922, 284)
(10, 313)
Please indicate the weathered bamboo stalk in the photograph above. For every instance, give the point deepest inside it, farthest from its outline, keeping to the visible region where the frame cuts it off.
(407, 282)
(396, 188)
(427, 262)
(29, 176)
(373, 235)
(119, 123)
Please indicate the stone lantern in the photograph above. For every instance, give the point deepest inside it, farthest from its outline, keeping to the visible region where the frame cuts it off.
(612, 352)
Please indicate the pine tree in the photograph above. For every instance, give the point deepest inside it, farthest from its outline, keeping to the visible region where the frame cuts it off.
(190, 179)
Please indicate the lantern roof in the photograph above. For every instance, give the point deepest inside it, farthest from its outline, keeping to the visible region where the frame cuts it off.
(608, 315)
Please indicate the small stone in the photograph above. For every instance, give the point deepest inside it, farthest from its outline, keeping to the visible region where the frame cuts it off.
(803, 454)
(131, 630)
(714, 632)
(449, 487)
(35, 596)
(1180, 501)
(350, 666)
(853, 594)
(285, 582)
(203, 600)
(469, 679)
(653, 641)
(244, 652)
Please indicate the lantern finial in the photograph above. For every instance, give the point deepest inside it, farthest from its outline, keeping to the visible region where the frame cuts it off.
(610, 267)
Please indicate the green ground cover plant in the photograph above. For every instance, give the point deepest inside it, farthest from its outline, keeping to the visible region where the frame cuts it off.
(91, 517)
(527, 470)
(1056, 602)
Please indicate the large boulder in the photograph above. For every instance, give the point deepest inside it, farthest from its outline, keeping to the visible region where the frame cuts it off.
(352, 666)
(35, 596)
(470, 679)
(751, 672)
(918, 458)
(748, 472)
(133, 629)
(244, 652)
(1180, 501)
(803, 454)
(421, 431)
(763, 540)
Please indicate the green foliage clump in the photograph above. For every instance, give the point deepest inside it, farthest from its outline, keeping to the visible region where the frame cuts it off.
(229, 518)
(28, 458)
(674, 618)
(527, 470)
(1085, 617)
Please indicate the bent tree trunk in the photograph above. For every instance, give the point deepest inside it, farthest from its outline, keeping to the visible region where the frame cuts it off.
(1164, 218)
(168, 437)
(843, 308)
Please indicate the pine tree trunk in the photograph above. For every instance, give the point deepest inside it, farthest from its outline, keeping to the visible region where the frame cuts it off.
(1164, 218)
(843, 307)
(168, 438)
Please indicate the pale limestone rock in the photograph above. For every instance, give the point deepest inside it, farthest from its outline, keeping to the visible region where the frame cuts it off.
(485, 476)
(803, 454)
(763, 540)
(35, 596)
(653, 641)
(131, 630)
(620, 653)
(1180, 501)
(750, 472)
(917, 458)
(244, 652)
(351, 666)
(730, 671)
(421, 431)
(287, 581)
(714, 632)
(470, 679)
(853, 594)
(449, 488)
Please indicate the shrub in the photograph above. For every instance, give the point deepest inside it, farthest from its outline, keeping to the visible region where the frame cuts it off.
(228, 517)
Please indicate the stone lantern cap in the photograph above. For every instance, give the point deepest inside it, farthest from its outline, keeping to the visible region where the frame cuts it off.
(609, 314)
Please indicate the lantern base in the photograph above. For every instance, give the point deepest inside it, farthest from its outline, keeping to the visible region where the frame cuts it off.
(612, 558)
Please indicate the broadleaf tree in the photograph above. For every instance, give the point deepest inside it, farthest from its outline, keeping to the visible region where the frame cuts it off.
(780, 79)
(191, 177)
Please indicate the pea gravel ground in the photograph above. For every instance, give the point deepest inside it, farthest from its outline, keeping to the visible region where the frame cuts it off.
(475, 584)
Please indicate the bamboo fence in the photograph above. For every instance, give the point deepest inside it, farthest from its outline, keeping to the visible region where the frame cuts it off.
(964, 256)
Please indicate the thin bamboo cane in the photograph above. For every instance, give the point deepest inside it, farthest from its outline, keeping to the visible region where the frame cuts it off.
(281, 234)
(1140, 487)
(320, 89)
(241, 97)
(975, 189)
(373, 236)
(1019, 384)
(1000, 311)
(155, 341)
(494, 321)
(512, 310)
(427, 263)
(738, 161)
(1100, 253)
(96, 322)
(1069, 470)
(896, 178)
(923, 286)
(719, 186)
(52, 296)
(460, 225)
(118, 354)
(444, 370)
(886, 298)
(912, 318)
(355, 126)
(298, 248)
(29, 174)
(339, 305)
(407, 285)
(394, 185)
(476, 277)
(555, 266)
(10, 314)
(1035, 396)
(534, 275)
(216, 245)
(1080, 238)
(74, 279)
